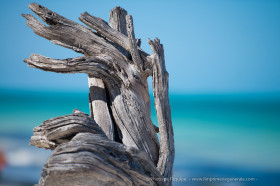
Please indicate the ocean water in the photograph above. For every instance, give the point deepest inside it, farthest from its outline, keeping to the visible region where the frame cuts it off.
(230, 139)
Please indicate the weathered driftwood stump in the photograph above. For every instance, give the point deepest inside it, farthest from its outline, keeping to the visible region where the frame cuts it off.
(118, 143)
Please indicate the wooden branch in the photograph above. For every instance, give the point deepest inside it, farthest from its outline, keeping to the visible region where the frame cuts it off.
(69, 34)
(102, 27)
(39, 139)
(117, 19)
(97, 93)
(89, 65)
(88, 157)
(160, 91)
(61, 129)
(117, 22)
(131, 113)
(46, 32)
(130, 136)
(122, 35)
(132, 41)
(99, 106)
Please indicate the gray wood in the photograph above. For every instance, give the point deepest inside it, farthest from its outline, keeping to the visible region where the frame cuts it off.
(83, 155)
(97, 93)
(119, 102)
(118, 34)
(161, 95)
(132, 42)
(99, 106)
(117, 19)
(103, 27)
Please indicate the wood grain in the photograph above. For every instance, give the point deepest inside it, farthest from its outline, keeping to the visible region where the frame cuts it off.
(118, 143)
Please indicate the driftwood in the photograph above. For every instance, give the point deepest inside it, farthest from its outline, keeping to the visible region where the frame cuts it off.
(118, 144)
(83, 155)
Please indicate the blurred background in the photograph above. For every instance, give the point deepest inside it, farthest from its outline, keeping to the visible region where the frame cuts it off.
(223, 58)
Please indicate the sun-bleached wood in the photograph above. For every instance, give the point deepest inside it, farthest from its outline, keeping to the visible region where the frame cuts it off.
(161, 95)
(99, 106)
(117, 19)
(127, 86)
(97, 91)
(84, 155)
(118, 70)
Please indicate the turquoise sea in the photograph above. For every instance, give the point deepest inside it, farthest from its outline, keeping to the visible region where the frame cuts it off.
(216, 135)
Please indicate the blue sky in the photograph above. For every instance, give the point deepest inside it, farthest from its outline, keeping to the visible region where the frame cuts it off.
(210, 46)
